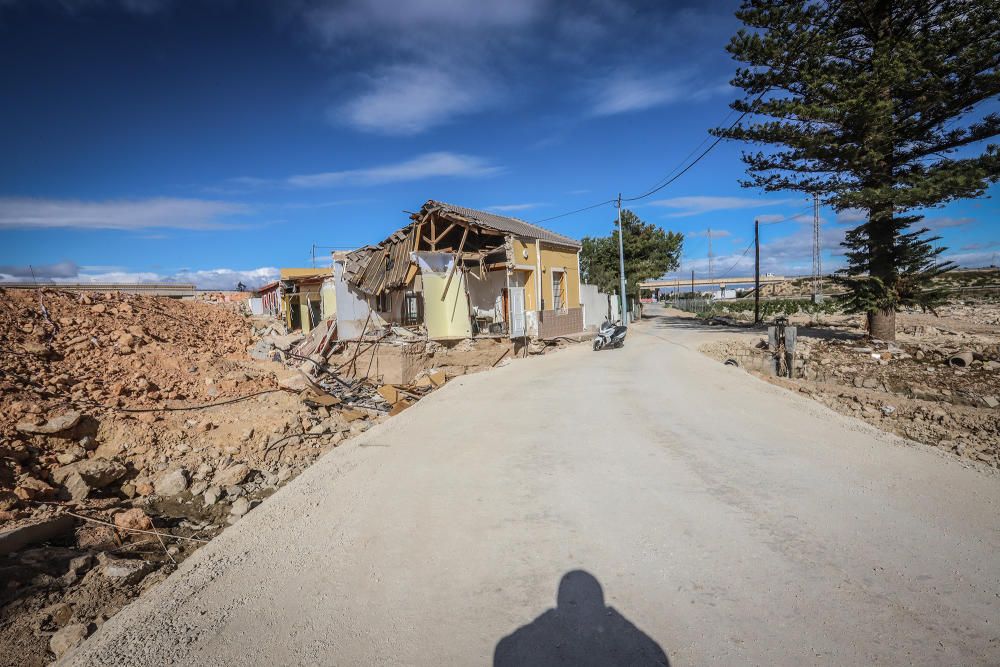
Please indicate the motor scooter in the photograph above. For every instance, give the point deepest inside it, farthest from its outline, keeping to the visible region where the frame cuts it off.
(610, 335)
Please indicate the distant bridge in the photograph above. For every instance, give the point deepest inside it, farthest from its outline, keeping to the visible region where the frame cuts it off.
(680, 283)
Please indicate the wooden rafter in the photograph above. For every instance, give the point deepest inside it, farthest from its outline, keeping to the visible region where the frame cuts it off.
(444, 233)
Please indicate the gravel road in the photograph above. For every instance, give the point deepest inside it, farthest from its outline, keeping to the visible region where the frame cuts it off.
(636, 505)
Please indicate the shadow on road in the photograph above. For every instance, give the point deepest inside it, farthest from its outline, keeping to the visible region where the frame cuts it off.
(581, 630)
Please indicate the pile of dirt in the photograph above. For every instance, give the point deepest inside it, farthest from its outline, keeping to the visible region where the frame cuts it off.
(124, 412)
(909, 388)
(134, 428)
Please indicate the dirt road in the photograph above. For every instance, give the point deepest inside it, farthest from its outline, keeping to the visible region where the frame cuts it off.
(725, 520)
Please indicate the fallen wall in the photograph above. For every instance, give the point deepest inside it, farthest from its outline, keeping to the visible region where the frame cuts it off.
(446, 311)
(352, 307)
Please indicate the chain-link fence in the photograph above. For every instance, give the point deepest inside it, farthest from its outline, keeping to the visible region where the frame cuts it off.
(692, 304)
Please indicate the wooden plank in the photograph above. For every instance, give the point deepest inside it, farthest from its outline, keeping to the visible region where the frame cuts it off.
(417, 235)
(445, 232)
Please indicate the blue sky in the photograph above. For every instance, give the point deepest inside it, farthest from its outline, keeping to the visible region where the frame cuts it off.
(214, 141)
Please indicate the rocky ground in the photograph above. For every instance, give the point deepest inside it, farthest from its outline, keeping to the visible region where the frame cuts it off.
(133, 429)
(909, 387)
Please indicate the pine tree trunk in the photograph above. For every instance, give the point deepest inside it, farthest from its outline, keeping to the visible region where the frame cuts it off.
(882, 324)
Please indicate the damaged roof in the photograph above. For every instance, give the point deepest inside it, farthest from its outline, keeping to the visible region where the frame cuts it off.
(501, 223)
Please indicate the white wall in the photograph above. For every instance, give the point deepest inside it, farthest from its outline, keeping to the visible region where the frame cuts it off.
(486, 293)
(352, 307)
(595, 306)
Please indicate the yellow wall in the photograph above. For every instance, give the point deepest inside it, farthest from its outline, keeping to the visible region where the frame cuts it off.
(328, 295)
(560, 258)
(553, 256)
(448, 317)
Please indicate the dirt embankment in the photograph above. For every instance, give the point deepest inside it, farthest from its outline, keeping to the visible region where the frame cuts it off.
(101, 416)
(908, 388)
(133, 429)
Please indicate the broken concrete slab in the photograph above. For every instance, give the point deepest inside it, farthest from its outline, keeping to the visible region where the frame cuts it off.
(56, 424)
(231, 476)
(20, 537)
(97, 473)
(67, 638)
(171, 482)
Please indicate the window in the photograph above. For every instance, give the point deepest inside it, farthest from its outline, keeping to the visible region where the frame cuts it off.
(382, 303)
(558, 290)
(412, 309)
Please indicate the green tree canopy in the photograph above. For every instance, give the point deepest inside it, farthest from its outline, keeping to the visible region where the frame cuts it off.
(872, 105)
(649, 253)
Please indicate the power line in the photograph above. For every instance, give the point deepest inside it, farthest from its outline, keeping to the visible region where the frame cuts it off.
(579, 210)
(730, 269)
(671, 176)
(795, 216)
(698, 159)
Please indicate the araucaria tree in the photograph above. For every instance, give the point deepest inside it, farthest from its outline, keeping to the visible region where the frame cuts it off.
(876, 105)
(649, 253)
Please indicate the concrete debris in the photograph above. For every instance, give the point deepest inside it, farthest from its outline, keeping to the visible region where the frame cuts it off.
(138, 411)
(128, 570)
(97, 473)
(56, 424)
(172, 482)
(935, 384)
(232, 475)
(67, 638)
(240, 507)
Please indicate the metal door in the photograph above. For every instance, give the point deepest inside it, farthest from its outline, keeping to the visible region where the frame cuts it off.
(517, 312)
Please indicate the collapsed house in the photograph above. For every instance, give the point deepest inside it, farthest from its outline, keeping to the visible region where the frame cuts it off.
(461, 273)
(302, 298)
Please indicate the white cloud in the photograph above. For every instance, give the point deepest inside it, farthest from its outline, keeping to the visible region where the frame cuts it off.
(856, 215)
(623, 92)
(19, 212)
(852, 215)
(943, 222)
(696, 205)
(787, 255)
(334, 21)
(207, 279)
(64, 269)
(716, 234)
(778, 217)
(428, 165)
(973, 259)
(511, 208)
(409, 99)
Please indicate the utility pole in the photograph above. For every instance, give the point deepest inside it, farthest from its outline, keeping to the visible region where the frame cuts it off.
(711, 257)
(621, 262)
(756, 272)
(692, 282)
(817, 286)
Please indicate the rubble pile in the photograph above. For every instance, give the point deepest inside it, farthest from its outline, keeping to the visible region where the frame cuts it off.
(144, 413)
(135, 428)
(936, 385)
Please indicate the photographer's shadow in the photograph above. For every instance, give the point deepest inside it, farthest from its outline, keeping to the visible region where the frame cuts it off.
(581, 630)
